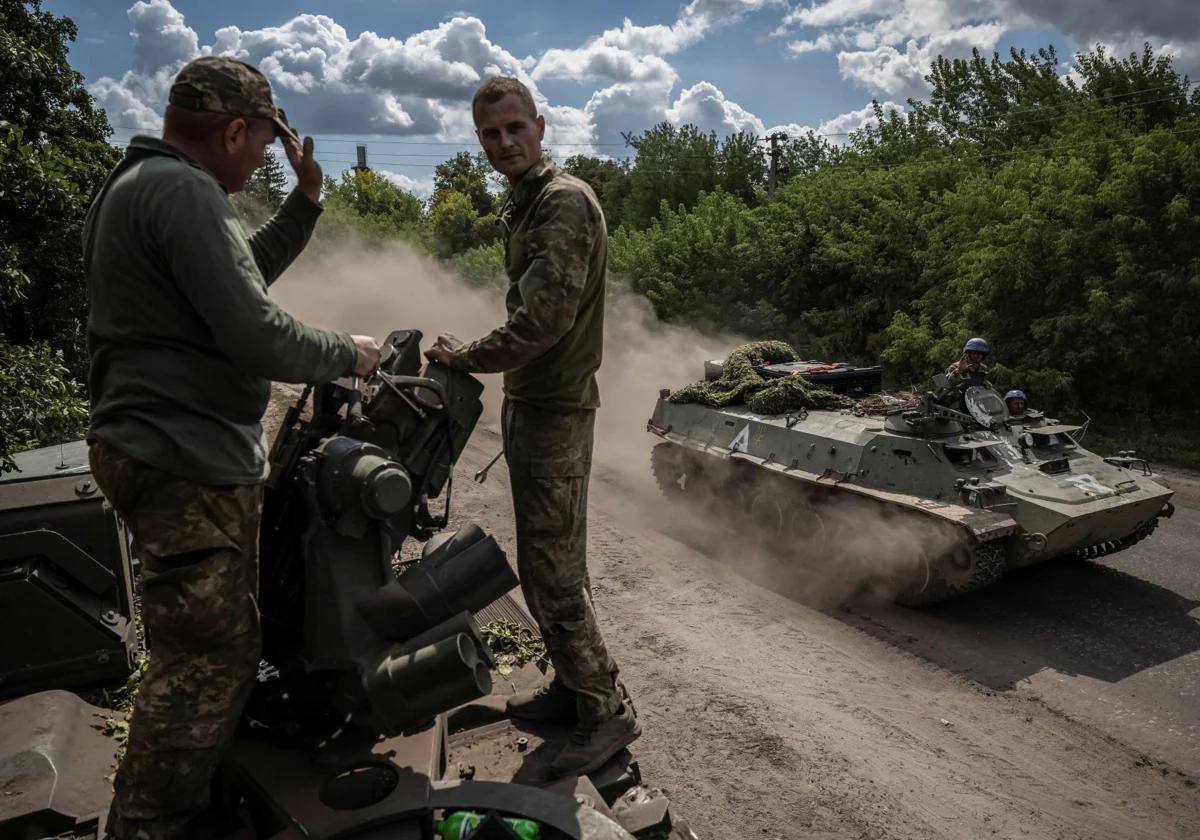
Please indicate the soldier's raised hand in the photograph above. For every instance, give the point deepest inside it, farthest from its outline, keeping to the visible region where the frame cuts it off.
(304, 164)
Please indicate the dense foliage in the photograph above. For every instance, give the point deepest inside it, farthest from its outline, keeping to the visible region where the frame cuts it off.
(1060, 220)
(54, 155)
(1058, 217)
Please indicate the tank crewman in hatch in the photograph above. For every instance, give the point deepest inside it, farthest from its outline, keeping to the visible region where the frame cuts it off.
(549, 350)
(1015, 400)
(972, 360)
(184, 343)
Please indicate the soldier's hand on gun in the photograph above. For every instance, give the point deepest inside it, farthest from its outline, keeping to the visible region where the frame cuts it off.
(443, 348)
(368, 355)
(308, 171)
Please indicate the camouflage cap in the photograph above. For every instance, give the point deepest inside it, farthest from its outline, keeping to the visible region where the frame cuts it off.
(228, 86)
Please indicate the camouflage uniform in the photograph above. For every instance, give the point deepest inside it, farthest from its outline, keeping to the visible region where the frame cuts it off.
(549, 350)
(199, 551)
(549, 456)
(184, 341)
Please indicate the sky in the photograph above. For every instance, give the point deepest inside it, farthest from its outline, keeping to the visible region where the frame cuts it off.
(398, 75)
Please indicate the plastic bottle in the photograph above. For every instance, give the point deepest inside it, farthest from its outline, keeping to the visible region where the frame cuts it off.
(461, 824)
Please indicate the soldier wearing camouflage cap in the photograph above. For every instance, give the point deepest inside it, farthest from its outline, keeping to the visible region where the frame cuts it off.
(184, 342)
(549, 350)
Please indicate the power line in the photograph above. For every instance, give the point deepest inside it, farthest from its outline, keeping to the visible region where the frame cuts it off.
(830, 134)
(949, 157)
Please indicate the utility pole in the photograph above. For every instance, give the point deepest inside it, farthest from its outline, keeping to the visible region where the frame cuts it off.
(362, 158)
(775, 152)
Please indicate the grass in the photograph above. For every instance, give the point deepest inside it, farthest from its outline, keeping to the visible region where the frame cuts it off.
(1168, 446)
(512, 645)
(120, 700)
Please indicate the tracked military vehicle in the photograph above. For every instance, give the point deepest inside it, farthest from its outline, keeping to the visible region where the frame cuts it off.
(827, 457)
(375, 712)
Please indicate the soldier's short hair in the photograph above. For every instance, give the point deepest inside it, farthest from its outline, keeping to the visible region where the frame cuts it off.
(199, 127)
(498, 87)
(194, 126)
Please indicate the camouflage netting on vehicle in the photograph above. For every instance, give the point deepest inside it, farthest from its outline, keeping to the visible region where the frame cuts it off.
(741, 383)
(886, 404)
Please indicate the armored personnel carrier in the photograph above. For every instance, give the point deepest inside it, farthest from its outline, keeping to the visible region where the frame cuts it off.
(376, 711)
(810, 457)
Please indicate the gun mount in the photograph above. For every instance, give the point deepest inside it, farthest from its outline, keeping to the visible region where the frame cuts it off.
(371, 657)
(350, 639)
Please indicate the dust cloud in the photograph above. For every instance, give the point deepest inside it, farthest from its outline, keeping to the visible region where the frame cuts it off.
(819, 555)
(373, 290)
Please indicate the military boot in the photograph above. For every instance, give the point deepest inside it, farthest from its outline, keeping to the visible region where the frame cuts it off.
(594, 742)
(549, 701)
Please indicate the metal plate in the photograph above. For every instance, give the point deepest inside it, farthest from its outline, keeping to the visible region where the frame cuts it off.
(69, 459)
(54, 760)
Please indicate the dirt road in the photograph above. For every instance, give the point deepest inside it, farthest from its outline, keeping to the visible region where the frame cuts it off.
(1062, 704)
(765, 718)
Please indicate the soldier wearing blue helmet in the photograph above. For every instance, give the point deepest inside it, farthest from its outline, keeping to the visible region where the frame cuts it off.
(1015, 400)
(974, 353)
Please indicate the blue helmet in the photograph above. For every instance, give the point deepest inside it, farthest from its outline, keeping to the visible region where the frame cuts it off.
(1011, 394)
(977, 344)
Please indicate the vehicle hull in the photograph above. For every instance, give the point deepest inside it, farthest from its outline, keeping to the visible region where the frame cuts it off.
(1008, 505)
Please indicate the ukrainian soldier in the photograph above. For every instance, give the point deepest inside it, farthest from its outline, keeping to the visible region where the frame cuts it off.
(974, 353)
(549, 351)
(184, 344)
(1015, 401)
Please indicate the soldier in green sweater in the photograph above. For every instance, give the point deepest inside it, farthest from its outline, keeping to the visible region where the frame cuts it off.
(184, 343)
(549, 351)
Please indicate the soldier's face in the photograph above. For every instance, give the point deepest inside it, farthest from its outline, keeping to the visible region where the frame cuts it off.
(245, 145)
(510, 135)
(1016, 406)
(974, 357)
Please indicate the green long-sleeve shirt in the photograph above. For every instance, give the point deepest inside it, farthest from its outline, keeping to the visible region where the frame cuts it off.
(183, 337)
(556, 259)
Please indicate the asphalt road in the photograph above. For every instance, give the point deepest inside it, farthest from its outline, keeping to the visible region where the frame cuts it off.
(1113, 643)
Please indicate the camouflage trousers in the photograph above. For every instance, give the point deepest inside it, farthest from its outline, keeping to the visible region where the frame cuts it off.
(199, 584)
(549, 456)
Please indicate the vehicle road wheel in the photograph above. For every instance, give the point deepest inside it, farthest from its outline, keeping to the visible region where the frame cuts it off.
(963, 571)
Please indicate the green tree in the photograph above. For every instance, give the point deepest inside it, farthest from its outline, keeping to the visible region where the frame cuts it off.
(455, 226)
(609, 179)
(54, 155)
(468, 175)
(674, 166)
(47, 115)
(741, 166)
(375, 199)
(268, 185)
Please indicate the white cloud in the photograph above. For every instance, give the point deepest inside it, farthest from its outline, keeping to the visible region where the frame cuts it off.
(422, 188)
(635, 53)
(824, 44)
(705, 107)
(886, 46)
(1175, 21)
(603, 61)
(326, 80)
(838, 129)
(902, 74)
(626, 107)
(160, 36)
(421, 85)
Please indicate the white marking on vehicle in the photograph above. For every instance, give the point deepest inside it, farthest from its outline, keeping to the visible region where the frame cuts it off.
(1086, 482)
(742, 441)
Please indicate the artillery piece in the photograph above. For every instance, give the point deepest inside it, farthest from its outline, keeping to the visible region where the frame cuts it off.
(371, 678)
(991, 492)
